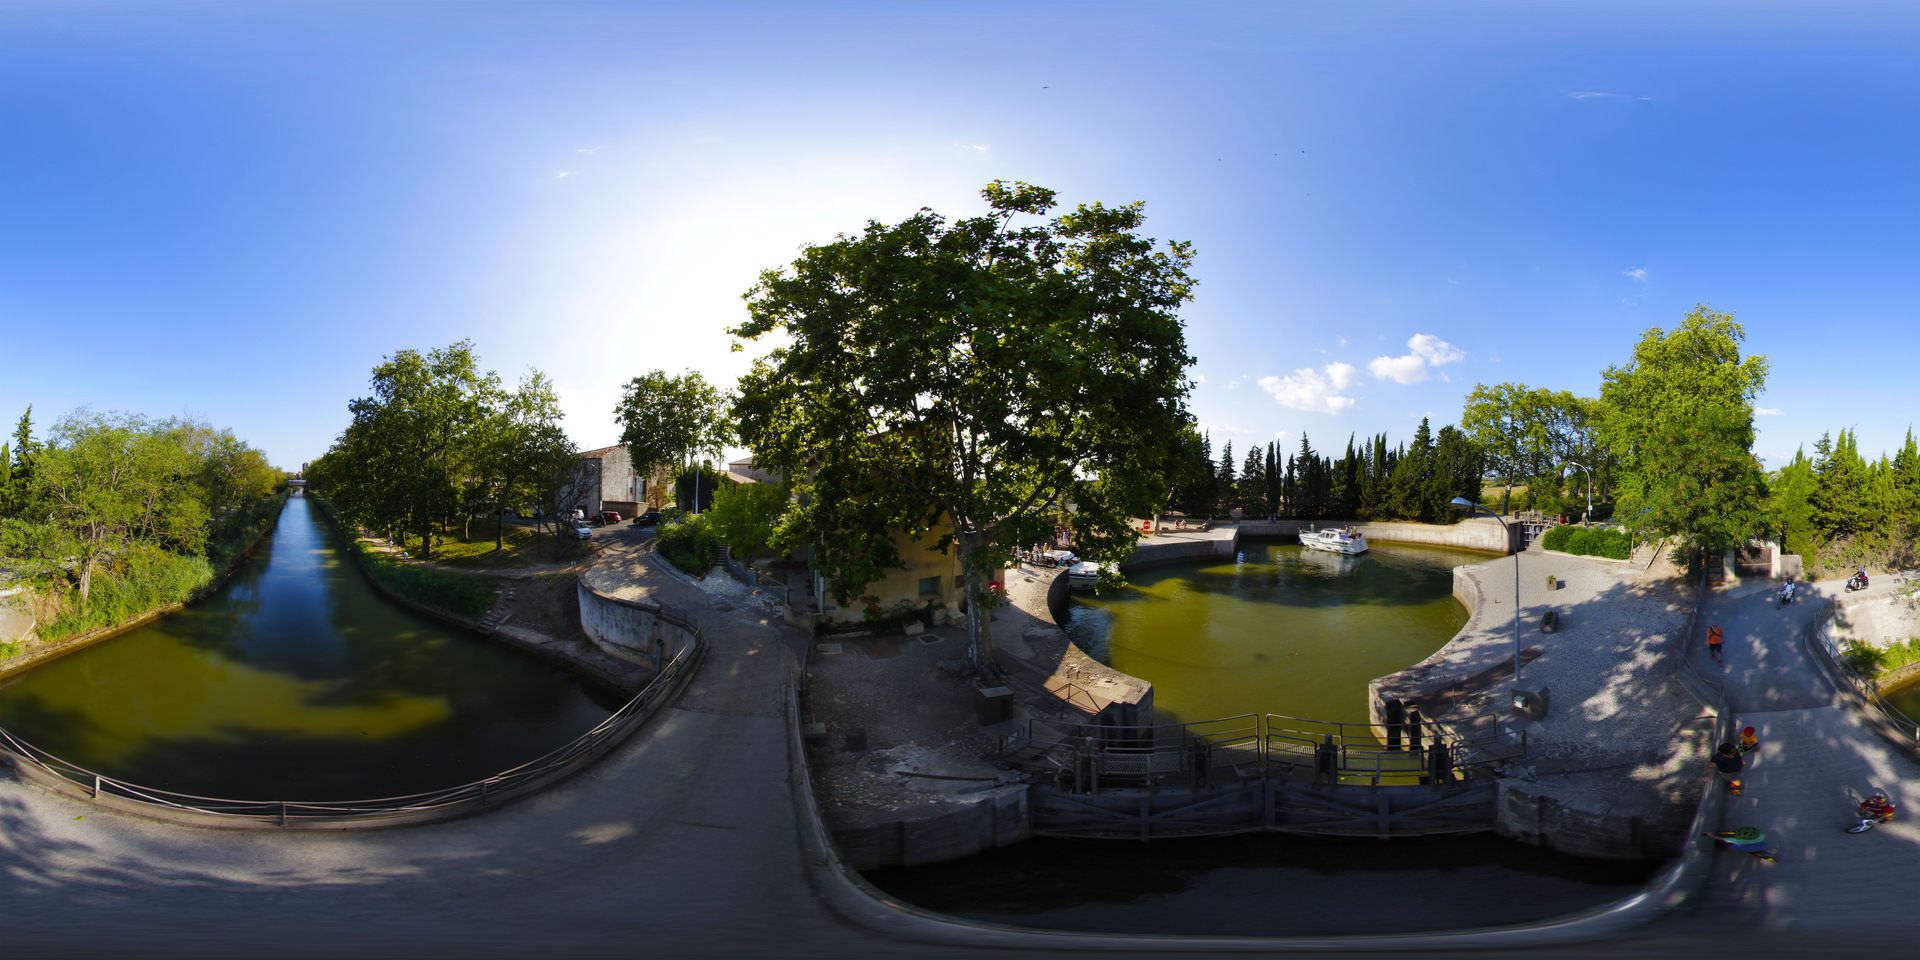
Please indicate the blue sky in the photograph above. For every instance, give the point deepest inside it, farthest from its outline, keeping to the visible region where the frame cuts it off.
(233, 211)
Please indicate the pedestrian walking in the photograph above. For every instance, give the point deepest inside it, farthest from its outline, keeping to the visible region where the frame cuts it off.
(1714, 639)
(1727, 764)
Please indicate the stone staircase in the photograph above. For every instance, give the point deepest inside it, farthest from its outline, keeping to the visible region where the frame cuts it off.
(500, 612)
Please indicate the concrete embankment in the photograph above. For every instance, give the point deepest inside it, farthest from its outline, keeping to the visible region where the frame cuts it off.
(1611, 770)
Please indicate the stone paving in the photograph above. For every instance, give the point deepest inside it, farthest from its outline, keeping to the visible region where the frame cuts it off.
(683, 843)
(1816, 757)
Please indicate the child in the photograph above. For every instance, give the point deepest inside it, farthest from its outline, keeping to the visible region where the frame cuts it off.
(1749, 742)
(1714, 639)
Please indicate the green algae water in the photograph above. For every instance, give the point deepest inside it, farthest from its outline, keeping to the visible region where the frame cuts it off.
(1275, 629)
(297, 682)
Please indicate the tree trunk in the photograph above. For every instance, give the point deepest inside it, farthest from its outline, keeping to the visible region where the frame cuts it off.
(86, 581)
(426, 541)
(979, 618)
(499, 531)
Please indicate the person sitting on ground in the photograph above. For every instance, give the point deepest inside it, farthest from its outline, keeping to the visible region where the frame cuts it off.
(1751, 841)
(1727, 763)
(1877, 808)
(1749, 741)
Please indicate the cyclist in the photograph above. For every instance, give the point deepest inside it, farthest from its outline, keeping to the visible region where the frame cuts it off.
(1877, 808)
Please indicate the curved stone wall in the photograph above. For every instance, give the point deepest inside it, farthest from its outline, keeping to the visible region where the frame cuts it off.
(638, 631)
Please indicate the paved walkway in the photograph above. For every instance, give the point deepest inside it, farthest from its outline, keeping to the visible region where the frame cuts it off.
(685, 843)
(1816, 756)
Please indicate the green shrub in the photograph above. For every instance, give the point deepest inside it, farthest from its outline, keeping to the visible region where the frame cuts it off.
(140, 580)
(1589, 542)
(463, 595)
(1871, 661)
(1556, 538)
(689, 544)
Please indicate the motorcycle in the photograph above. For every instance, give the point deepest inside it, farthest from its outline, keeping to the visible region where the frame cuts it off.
(1857, 582)
(1786, 593)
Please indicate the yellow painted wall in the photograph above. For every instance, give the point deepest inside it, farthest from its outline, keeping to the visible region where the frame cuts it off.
(899, 586)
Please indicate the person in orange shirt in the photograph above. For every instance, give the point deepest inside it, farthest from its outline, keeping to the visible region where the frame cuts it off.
(1714, 639)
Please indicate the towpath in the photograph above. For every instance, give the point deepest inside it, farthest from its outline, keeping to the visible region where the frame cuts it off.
(1816, 756)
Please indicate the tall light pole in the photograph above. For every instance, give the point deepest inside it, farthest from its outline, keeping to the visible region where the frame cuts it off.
(1462, 503)
(1589, 472)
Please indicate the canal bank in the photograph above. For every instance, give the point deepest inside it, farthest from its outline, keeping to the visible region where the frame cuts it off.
(32, 652)
(298, 682)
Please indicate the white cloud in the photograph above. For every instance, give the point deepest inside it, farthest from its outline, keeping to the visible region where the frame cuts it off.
(588, 151)
(1427, 351)
(1411, 368)
(1200, 378)
(1593, 95)
(1438, 352)
(1637, 273)
(1314, 390)
(1236, 383)
(1769, 412)
(1221, 428)
(977, 147)
(562, 174)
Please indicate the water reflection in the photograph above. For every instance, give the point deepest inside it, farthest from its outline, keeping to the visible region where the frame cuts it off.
(296, 681)
(1277, 629)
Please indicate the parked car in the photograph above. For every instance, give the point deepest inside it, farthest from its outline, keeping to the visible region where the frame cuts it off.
(580, 530)
(608, 516)
(647, 519)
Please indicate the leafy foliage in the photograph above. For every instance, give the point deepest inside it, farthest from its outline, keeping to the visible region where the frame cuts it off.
(115, 515)
(1679, 420)
(965, 382)
(689, 543)
(669, 421)
(439, 443)
(745, 516)
(1590, 542)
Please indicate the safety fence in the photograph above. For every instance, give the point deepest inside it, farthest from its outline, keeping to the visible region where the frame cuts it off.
(1896, 726)
(1090, 758)
(74, 780)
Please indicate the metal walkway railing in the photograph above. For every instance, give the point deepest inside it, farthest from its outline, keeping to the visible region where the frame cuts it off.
(75, 780)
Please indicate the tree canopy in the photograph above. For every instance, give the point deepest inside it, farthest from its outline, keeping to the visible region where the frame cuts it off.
(669, 421)
(1679, 420)
(968, 382)
(438, 441)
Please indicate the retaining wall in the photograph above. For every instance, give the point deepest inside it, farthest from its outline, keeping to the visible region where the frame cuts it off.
(962, 829)
(1478, 533)
(638, 631)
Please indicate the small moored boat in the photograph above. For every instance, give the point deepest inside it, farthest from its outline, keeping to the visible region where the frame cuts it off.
(1083, 575)
(1343, 540)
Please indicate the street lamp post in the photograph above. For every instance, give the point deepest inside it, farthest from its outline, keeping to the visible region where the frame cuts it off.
(1462, 503)
(1589, 472)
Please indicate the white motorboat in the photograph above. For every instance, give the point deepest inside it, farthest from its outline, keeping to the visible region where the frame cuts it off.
(1343, 540)
(1083, 575)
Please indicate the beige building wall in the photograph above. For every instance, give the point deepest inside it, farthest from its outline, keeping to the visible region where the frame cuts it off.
(931, 578)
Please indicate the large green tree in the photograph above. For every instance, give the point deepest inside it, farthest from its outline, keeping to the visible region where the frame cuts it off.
(403, 463)
(1678, 418)
(967, 381)
(672, 421)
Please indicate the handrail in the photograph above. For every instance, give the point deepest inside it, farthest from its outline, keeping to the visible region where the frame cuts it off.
(448, 801)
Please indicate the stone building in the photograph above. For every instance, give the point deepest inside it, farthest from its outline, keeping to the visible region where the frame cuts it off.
(606, 481)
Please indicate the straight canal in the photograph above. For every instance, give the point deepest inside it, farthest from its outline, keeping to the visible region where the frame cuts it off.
(296, 681)
(1274, 629)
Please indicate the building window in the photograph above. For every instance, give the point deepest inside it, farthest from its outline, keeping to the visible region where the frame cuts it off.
(929, 586)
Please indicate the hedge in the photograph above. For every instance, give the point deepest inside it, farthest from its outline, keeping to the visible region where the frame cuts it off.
(688, 544)
(1589, 542)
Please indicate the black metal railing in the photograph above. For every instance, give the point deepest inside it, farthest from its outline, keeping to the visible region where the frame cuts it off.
(76, 780)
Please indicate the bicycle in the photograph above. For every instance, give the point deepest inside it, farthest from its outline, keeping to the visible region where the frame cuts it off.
(1871, 814)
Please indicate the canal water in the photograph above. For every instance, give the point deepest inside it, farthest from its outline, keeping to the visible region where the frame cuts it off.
(297, 682)
(1275, 629)
(1272, 630)
(1265, 885)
